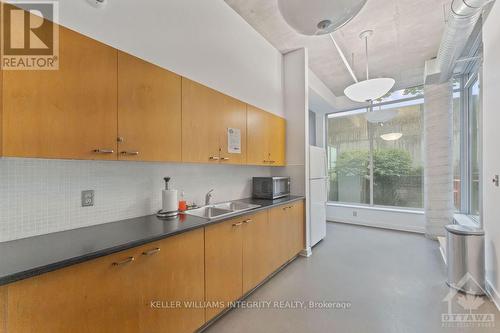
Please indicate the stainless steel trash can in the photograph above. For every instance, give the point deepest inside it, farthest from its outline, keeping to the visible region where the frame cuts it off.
(465, 259)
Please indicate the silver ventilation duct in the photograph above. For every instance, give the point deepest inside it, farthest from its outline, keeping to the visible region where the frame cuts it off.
(463, 17)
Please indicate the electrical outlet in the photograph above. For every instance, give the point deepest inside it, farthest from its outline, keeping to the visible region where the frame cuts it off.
(354, 213)
(88, 198)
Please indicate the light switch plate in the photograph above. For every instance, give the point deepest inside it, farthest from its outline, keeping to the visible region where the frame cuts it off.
(88, 198)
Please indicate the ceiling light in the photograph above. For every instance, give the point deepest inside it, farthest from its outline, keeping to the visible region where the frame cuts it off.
(391, 136)
(318, 17)
(370, 89)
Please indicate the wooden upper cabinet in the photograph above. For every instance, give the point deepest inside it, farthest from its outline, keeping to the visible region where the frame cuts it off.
(66, 113)
(149, 111)
(266, 138)
(233, 115)
(277, 145)
(200, 136)
(206, 117)
(257, 136)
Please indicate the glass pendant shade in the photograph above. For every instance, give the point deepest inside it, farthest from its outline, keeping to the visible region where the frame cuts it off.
(392, 136)
(318, 17)
(369, 90)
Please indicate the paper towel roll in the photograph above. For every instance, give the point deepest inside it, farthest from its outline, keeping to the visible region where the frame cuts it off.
(169, 199)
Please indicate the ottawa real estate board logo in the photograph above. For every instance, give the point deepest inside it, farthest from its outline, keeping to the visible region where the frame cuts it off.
(29, 38)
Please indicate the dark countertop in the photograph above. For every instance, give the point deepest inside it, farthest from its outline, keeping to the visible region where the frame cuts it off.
(28, 257)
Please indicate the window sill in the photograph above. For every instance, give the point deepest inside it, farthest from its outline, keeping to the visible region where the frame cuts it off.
(465, 220)
(378, 208)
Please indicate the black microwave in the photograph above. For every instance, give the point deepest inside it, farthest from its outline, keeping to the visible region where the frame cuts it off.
(271, 187)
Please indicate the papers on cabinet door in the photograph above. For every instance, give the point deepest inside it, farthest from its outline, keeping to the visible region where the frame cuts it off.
(234, 140)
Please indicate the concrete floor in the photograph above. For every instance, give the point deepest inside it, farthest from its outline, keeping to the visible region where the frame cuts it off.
(395, 282)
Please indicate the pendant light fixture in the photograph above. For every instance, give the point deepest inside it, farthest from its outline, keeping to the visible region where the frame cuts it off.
(318, 17)
(393, 136)
(370, 89)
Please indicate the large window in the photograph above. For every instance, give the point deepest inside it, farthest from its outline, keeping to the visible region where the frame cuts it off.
(393, 148)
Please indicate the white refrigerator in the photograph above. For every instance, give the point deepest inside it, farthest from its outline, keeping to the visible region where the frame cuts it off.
(318, 192)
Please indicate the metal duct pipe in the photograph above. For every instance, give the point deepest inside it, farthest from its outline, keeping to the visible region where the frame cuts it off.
(461, 22)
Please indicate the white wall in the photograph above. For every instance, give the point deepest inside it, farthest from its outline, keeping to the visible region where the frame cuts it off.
(491, 156)
(41, 196)
(413, 221)
(203, 40)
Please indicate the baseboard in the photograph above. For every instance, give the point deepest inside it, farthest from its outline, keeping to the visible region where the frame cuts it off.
(416, 230)
(493, 294)
(306, 252)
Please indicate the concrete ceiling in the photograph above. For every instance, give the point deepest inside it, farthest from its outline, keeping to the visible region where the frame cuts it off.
(407, 33)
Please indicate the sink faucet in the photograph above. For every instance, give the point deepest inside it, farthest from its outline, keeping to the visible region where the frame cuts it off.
(208, 196)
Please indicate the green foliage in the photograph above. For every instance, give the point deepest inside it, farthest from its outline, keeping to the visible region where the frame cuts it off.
(352, 163)
(388, 163)
(391, 163)
(414, 91)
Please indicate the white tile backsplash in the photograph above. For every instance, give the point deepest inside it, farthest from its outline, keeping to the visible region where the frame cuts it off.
(40, 196)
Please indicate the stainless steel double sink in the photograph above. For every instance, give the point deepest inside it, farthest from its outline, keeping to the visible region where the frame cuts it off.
(224, 209)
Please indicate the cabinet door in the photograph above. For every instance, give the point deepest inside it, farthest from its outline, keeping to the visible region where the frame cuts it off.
(200, 123)
(223, 265)
(258, 129)
(232, 115)
(278, 232)
(91, 297)
(257, 244)
(295, 229)
(172, 272)
(149, 111)
(277, 144)
(66, 113)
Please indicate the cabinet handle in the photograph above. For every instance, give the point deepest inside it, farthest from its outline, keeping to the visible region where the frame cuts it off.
(103, 151)
(266, 161)
(248, 221)
(124, 261)
(151, 252)
(272, 162)
(224, 159)
(213, 158)
(131, 153)
(237, 224)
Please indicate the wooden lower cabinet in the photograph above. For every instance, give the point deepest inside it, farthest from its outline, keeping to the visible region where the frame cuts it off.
(114, 294)
(295, 229)
(160, 286)
(256, 248)
(287, 231)
(171, 284)
(223, 265)
(96, 296)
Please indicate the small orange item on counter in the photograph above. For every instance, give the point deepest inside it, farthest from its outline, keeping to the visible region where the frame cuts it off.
(182, 205)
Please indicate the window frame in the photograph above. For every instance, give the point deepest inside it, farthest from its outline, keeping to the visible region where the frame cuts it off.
(358, 110)
(468, 81)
